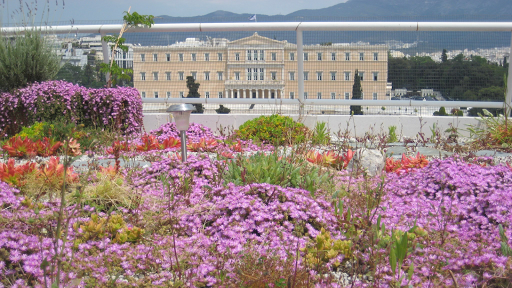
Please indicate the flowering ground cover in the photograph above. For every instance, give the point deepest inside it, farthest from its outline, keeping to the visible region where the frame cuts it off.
(422, 223)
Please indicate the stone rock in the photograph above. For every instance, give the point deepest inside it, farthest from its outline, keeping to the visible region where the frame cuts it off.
(370, 160)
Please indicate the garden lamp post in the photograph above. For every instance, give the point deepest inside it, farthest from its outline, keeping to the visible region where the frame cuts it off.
(181, 115)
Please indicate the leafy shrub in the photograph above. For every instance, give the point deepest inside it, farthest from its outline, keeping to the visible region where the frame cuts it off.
(321, 134)
(274, 129)
(110, 109)
(27, 59)
(441, 112)
(222, 110)
(497, 131)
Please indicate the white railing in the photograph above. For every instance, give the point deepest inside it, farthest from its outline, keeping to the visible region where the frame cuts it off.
(299, 27)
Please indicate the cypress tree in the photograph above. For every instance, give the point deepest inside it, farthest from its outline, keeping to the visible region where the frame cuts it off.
(357, 93)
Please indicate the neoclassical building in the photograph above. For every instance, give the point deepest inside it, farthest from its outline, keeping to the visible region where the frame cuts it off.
(259, 67)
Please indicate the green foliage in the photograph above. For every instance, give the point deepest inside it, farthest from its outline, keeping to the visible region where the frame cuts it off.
(272, 169)
(441, 112)
(324, 249)
(496, 131)
(398, 252)
(457, 78)
(392, 134)
(193, 89)
(222, 110)
(115, 72)
(274, 129)
(357, 93)
(113, 227)
(321, 134)
(505, 248)
(24, 59)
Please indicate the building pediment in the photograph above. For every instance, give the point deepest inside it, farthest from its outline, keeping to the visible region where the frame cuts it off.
(257, 40)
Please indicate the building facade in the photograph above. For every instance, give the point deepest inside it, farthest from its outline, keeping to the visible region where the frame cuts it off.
(259, 67)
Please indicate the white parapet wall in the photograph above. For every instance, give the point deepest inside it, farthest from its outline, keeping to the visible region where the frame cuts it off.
(408, 126)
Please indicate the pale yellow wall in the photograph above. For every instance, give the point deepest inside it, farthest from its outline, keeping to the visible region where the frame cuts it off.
(281, 66)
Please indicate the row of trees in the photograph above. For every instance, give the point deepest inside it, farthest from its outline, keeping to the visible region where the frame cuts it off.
(472, 79)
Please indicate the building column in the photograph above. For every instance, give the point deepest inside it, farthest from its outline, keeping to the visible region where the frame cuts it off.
(257, 94)
(244, 94)
(226, 95)
(232, 94)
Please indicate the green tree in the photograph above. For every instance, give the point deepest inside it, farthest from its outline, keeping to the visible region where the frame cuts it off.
(88, 76)
(26, 58)
(193, 88)
(70, 73)
(357, 93)
(444, 57)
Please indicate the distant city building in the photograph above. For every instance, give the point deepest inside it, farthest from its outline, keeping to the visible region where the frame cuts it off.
(259, 67)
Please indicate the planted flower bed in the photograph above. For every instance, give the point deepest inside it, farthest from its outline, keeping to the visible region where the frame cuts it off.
(243, 213)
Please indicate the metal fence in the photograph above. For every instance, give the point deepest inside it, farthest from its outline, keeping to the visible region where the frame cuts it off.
(403, 67)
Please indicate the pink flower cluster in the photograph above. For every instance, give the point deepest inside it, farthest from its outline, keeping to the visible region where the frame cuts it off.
(105, 107)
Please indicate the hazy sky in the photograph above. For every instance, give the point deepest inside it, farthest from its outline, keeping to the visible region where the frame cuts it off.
(95, 10)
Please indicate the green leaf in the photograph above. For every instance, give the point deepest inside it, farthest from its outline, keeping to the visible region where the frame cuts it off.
(392, 260)
(44, 264)
(410, 272)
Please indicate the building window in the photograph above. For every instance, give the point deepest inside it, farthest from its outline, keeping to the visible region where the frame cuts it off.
(168, 57)
(262, 72)
(194, 75)
(333, 95)
(347, 95)
(375, 76)
(249, 55)
(374, 96)
(180, 57)
(347, 76)
(305, 95)
(155, 57)
(155, 76)
(319, 95)
(362, 95)
(255, 55)
(333, 76)
(306, 74)
(168, 76)
(272, 94)
(155, 94)
(361, 56)
(292, 56)
(274, 56)
(273, 75)
(292, 95)
(168, 94)
(333, 56)
(220, 95)
(237, 75)
(237, 56)
(306, 56)
(207, 76)
(319, 76)
(180, 75)
(143, 94)
(193, 56)
(249, 74)
(207, 94)
(143, 76)
(319, 56)
(361, 75)
(142, 57)
(219, 56)
(375, 56)
(261, 55)
(292, 76)
(219, 75)
(255, 74)
(182, 94)
(206, 56)
(347, 56)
